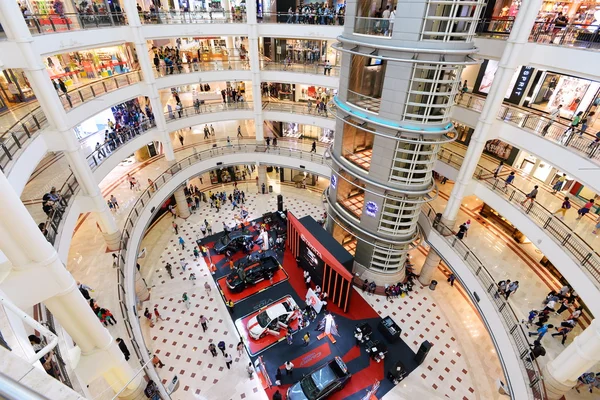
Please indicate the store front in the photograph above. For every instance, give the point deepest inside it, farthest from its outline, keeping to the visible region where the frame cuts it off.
(299, 51)
(14, 88)
(299, 131)
(81, 67)
(518, 86)
(495, 148)
(297, 92)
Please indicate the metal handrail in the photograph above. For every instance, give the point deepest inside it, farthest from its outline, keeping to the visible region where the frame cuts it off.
(202, 66)
(311, 18)
(124, 135)
(555, 131)
(92, 90)
(569, 240)
(373, 26)
(42, 24)
(509, 317)
(149, 192)
(15, 137)
(190, 111)
(317, 68)
(54, 221)
(296, 109)
(193, 17)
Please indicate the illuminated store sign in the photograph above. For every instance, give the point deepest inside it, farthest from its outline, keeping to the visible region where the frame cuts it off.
(333, 181)
(371, 208)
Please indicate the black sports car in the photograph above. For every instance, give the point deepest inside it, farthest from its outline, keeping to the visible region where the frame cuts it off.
(247, 274)
(322, 382)
(232, 241)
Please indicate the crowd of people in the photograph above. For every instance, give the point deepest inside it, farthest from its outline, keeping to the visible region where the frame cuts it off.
(316, 14)
(167, 59)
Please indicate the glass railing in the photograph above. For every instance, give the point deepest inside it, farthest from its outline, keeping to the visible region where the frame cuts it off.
(316, 68)
(17, 136)
(170, 173)
(569, 240)
(234, 64)
(52, 226)
(78, 96)
(367, 103)
(512, 323)
(193, 17)
(40, 24)
(206, 108)
(572, 35)
(311, 18)
(109, 146)
(373, 26)
(495, 27)
(296, 108)
(585, 143)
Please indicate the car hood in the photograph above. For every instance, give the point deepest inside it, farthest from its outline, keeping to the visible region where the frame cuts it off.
(254, 327)
(295, 392)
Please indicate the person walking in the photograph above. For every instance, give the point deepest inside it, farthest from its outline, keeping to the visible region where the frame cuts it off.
(168, 268)
(462, 231)
(566, 205)
(289, 368)
(289, 338)
(212, 130)
(114, 201)
(451, 279)
(180, 137)
(552, 116)
(207, 288)
(498, 169)
(559, 184)
(239, 131)
(585, 209)
(531, 196)
(196, 253)
(306, 339)
(221, 346)
(204, 323)
(186, 300)
(278, 377)
(157, 314)
(240, 348)
(597, 226)
(157, 362)
(123, 348)
(228, 360)
(511, 288)
(148, 316)
(509, 180)
(542, 330)
(313, 148)
(175, 228)
(571, 129)
(537, 350)
(181, 243)
(213, 349)
(563, 331)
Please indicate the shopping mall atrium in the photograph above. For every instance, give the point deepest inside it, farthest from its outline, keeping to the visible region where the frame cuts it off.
(342, 199)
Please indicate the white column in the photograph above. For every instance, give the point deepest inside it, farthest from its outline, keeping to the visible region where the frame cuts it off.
(560, 374)
(432, 261)
(508, 63)
(255, 69)
(182, 209)
(54, 111)
(536, 165)
(148, 69)
(37, 274)
(262, 178)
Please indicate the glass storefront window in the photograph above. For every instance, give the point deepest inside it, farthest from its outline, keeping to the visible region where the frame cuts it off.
(14, 87)
(357, 145)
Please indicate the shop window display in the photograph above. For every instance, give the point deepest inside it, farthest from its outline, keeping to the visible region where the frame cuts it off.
(82, 67)
(299, 51)
(14, 88)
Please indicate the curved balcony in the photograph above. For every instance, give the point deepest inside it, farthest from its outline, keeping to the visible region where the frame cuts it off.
(19, 136)
(207, 113)
(316, 68)
(579, 253)
(297, 113)
(524, 378)
(42, 24)
(193, 24)
(192, 17)
(309, 26)
(583, 151)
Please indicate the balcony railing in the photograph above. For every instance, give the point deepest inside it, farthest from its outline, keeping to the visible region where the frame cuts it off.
(373, 26)
(295, 109)
(193, 17)
(540, 124)
(316, 68)
(17, 136)
(206, 108)
(110, 146)
(52, 226)
(511, 321)
(367, 103)
(312, 18)
(40, 24)
(569, 240)
(191, 67)
(78, 96)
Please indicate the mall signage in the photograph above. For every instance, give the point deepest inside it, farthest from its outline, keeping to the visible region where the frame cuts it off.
(371, 208)
(333, 181)
(520, 85)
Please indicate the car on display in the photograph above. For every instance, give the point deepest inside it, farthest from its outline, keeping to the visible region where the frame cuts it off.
(272, 319)
(233, 241)
(322, 382)
(248, 273)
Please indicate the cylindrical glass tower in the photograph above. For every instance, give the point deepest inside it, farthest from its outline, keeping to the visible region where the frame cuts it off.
(399, 77)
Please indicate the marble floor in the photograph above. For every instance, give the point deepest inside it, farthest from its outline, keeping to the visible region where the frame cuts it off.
(91, 264)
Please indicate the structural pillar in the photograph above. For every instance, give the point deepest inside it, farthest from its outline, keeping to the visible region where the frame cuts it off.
(538, 161)
(148, 71)
(255, 70)
(560, 374)
(262, 178)
(182, 208)
(141, 289)
(519, 36)
(432, 261)
(37, 274)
